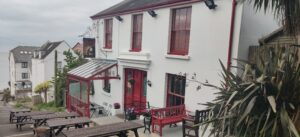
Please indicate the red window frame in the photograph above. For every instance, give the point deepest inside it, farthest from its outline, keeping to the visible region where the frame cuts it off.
(180, 31)
(137, 31)
(108, 24)
(175, 90)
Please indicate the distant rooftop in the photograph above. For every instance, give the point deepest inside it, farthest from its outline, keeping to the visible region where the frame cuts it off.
(23, 53)
(128, 6)
(48, 47)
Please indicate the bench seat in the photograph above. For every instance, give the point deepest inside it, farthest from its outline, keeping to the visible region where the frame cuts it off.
(166, 116)
(20, 124)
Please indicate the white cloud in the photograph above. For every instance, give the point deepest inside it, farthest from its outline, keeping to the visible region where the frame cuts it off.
(32, 22)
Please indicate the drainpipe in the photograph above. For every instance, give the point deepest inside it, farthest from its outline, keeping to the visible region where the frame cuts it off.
(231, 35)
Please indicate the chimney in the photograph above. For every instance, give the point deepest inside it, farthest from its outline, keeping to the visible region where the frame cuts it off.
(34, 54)
(41, 54)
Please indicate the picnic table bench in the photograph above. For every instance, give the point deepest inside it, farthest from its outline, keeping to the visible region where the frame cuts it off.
(25, 118)
(60, 124)
(166, 116)
(119, 129)
(16, 111)
(41, 119)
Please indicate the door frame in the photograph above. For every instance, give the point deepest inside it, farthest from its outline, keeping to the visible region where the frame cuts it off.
(142, 86)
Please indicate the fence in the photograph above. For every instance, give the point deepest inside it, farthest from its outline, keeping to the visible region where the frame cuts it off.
(259, 54)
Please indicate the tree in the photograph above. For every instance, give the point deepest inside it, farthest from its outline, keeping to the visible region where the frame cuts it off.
(61, 75)
(264, 102)
(43, 88)
(289, 10)
(55, 80)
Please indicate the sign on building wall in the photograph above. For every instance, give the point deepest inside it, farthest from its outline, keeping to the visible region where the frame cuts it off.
(89, 47)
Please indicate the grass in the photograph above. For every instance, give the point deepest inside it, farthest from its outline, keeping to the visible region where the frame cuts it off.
(20, 103)
(50, 106)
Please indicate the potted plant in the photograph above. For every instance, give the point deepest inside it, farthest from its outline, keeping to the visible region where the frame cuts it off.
(130, 114)
(116, 105)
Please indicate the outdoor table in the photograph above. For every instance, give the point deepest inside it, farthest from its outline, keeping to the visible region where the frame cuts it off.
(60, 124)
(21, 117)
(16, 111)
(41, 119)
(119, 129)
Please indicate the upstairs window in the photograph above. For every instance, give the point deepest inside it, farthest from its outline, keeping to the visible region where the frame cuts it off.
(24, 64)
(180, 31)
(25, 76)
(59, 65)
(108, 23)
(137, 30)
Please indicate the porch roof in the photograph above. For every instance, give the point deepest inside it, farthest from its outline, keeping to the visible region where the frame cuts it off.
(92, 68)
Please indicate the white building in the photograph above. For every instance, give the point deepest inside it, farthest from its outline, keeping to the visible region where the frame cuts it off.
(43, 63)
(156, 42)
(20, 70)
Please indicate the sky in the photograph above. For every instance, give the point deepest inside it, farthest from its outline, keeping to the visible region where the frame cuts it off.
(33, 22)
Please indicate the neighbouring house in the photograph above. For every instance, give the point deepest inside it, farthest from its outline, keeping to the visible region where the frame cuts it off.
(78, 48)
(278, 37)
(268, 42)
(43, 63)
(157, 51)
(20, 70)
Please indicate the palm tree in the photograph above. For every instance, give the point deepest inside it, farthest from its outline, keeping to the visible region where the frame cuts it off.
(288, 10)
(43, 87)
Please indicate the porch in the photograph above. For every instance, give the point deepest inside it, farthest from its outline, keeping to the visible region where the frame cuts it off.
(79, 83)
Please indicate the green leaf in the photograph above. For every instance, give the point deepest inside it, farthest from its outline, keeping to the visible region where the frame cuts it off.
(292, 106)
(284, 121)
(250, 86)
(259, 122)
(247, 110)
(250, 94)
(235, 103)
(272, 102)
(263, 129)
(292, 127)
(231, 97)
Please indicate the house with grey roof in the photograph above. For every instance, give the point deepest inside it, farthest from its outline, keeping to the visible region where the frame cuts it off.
(20, 70)
(43, 63)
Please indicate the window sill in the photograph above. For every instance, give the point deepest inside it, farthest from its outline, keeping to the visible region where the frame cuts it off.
(106, 94)
(134, 50)
(106, 50)
(182, 57)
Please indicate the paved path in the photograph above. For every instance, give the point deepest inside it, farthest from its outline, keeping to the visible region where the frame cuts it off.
(10, 130)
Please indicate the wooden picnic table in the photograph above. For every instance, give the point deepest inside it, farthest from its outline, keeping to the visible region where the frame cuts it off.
(16, 111)
(41, 119)
(60, 124)
(119, 129)
(23, 118)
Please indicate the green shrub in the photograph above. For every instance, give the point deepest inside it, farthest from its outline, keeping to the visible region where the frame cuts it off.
(264, 102)
(48, 106)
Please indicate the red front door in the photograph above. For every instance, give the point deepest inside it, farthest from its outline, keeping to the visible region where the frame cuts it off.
(135, 89)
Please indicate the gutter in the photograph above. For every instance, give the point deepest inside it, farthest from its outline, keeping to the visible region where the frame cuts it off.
(229, 56)
(145, 8)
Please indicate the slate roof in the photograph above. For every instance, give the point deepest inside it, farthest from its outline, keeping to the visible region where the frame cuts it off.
(137, 5)
(267, 38)
(23, 53)
(48, 47)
